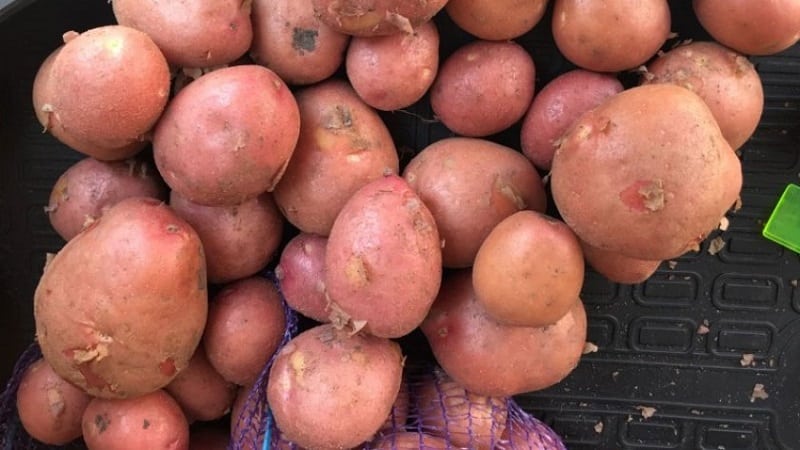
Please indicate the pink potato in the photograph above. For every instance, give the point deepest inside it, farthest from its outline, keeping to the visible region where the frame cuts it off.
(617, 267)
(382, 228)
(496, 20)
(376, 17)
(483, 88)
(201, 391)
(301, 275)
(227, 136)
(556, 108)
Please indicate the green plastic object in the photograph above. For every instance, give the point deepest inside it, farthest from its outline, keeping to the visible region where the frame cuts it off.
(783, 225)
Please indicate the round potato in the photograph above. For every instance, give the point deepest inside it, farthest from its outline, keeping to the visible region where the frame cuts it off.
(376, 17)
(301, 275)
(496, 20)
(201, 391)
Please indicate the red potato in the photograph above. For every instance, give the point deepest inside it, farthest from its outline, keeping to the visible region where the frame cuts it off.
(628, 162)
(89, 187)
(496, 20)
(246, 323)
(83, 106)
(364, 371)
(238, 240)
(726, 80)
(529, 270)
(208, 439)
(376, 17)
(617, 267)
(224, 36)
(343, 145)
(120, 309)
(405, 63)
(301, 275)
(201, 391)
(292, 41)
(610, 35)
(752, 27)
(383, 227)
(494, 360)
(470, 185)
(407, 440)
(152, 421)
(557, 106)
(49, 408)
(228, 136)
(483, 88)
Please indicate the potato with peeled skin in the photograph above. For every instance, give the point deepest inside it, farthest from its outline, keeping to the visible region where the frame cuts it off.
(120, 310)
(376, 17)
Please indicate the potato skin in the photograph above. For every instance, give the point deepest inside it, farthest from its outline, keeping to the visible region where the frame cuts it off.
(529, 270)
(406, 64)
(49, 408)
(383, 227)
(619, 268)
(224, 36)
(409, 440)
(376, 17)
(238, 240)
(726, 80)
(201, 391)
(363, 370)
(490, 359)
(120, 309)
(628, 161)
(152, 421)
(228, 136)
(470, 185)
(483, 88)
(301, 275)
(494, 20)
(89, 187)
(291, 40)
(611, 35)
(343, 146)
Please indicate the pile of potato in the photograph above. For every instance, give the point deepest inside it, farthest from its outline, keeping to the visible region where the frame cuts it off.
(225, 136)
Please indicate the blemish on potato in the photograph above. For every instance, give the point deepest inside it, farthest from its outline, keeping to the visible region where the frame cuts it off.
(55, 401)
(145, 424)
(356, 271)
(304, 40)
(172, 228)
(101, 422)
(167, 367)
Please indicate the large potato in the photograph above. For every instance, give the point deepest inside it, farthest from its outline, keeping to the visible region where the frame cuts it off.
(496, 20)
(121, 308)
(383, 263)
(376, 17)
(470, 185)
(652, 158)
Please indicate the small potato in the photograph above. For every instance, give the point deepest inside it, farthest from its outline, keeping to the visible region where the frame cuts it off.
(364, 372)
(292, 41)
(200, 391)
(408, 440)
(89, 187)
(529, 270)
(301, 275)
(617, 267)
(152, 421)
(470, 185)
(238, 240)
(483, 88)
(610, 35)
(246, 323)
(49, 407)
(496, 20)
(376, 17)
(406, 64)
(556, 107)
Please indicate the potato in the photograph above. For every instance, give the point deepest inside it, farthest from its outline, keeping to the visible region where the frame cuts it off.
(619, 268)
(49, 408)
(151, 421)
(343, 145)
(401, 409)
(495, 20)
(364, 371)
(726, 80)
(211, 438)
(81, 96)
(750, 26)
(408, 440)
(383, 242)
(612, 35)
(376, 17)
(243, 427)
(557, 106)
(89, 187)
(405, 63)
(470, 185)
(245, 326)
(466, 420)
(120, 310)
(495, 360)
(483, 88)
(292, 41)
(528, 433)
(193, 33)
(201, 391)
(628, 162)
(238, 240)
(301, 275)
(228, 136)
